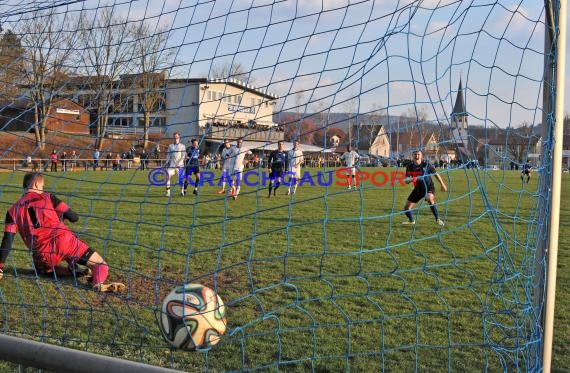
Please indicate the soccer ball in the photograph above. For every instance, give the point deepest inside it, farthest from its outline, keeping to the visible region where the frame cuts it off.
(193, 317)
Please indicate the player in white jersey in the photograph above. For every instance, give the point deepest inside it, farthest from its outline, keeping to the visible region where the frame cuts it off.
(175, 156)
(350, 158)
(295, 159)
(228, 160)
(240, 153)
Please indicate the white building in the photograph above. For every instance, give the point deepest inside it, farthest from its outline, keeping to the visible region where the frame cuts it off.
(218, 109)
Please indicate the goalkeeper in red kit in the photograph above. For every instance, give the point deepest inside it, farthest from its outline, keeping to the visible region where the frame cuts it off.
(38, 216)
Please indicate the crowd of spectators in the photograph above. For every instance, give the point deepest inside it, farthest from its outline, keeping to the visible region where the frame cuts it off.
(72, 160)
(252, 124)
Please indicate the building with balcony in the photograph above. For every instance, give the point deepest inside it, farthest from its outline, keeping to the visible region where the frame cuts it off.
(209, 110)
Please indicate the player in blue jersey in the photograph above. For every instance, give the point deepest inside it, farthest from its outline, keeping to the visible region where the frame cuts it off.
(424, 187)
(192, 166)
(276, 164)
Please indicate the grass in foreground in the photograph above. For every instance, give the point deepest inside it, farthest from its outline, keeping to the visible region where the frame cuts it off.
(327, 280)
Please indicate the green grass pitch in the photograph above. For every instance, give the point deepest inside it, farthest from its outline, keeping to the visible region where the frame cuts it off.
(326, 281)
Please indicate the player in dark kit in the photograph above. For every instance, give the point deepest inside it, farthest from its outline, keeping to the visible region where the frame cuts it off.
(276, 164)
(38, 217)
(421, 171)
(192, 166)
(526, 172)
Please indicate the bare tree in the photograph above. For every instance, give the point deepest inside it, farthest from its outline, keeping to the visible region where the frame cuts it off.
(233, 70)
(519, 141)
(151, 58)
(104, 57)
(351, 108)
(49, 44)
(367, 132)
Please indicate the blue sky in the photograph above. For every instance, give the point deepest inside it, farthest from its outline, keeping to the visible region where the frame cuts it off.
(389, 54)
(372, 56)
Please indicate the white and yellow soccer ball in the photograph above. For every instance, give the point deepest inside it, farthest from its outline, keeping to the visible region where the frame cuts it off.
(192, 317)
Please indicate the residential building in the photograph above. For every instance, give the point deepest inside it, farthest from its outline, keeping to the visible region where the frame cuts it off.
(424, 139)
(371, 139)
(64, 116)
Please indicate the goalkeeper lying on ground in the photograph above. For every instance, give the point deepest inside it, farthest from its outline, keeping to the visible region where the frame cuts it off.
(38, 217)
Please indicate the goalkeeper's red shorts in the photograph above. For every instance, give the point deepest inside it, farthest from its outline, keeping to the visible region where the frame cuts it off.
(63, 247)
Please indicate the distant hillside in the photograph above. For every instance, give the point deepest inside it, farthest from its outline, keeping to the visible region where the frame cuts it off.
(392, 124)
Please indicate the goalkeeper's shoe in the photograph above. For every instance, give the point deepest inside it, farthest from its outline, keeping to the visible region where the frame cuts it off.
(440, 222)
(409, 222)
(113, 287)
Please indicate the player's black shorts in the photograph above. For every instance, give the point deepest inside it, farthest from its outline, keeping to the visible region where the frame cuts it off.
(526, 172)
(192, 169)
(419, 193)
(276, 173)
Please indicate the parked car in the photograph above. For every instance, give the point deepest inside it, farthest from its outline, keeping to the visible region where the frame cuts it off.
(378, 161)
(364, 161)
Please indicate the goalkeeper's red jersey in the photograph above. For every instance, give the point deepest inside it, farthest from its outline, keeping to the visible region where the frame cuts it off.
(39, 220)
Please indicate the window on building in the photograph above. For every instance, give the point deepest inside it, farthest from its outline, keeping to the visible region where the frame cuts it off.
(120, 121)
(153, 121)
(129, 105)
(85, 101)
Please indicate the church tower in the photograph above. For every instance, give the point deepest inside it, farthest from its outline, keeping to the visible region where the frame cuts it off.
(459, 127)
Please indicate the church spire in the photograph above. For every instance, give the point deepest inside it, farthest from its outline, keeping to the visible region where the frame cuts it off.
(459, 107)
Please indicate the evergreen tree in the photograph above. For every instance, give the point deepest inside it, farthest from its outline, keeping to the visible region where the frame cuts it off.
(11, 66)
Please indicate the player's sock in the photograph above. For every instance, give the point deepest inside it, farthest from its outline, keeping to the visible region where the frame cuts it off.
(409, 215)
(275, 189)
(433, 209)
(100, 273)
(270, 187)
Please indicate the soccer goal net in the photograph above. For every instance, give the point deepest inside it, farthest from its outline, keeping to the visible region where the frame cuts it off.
(326, 256)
